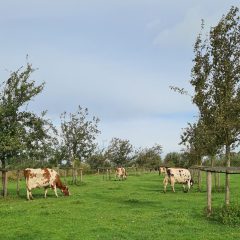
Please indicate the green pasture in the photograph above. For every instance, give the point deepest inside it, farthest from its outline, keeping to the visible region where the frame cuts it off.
(107, 209)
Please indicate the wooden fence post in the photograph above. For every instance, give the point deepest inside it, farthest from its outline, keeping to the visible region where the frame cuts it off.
(81, 175)
(218, 181)
(199, 180)
(209, 193)
(18, 182)
(227, 189)
(4, 183)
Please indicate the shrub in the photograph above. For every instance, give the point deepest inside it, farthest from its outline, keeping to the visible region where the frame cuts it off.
(227, 215)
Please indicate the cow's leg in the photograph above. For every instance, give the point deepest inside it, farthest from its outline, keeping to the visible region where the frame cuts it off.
(45, 192)
(165, 183)
(172, 180)
(188, 185)
(30, 197)
(55, 190)
(183, 187)
(28, 194)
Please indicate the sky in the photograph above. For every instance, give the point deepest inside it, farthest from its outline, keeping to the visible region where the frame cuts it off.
(117, 58)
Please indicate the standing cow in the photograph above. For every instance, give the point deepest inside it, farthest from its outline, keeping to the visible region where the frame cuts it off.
(120, 173)
(43, 177)
(177, 175)
(162, 170)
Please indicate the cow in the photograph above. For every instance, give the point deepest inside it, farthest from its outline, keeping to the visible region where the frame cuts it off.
(177, 175)
(162, 170)
(43, 178)
(120, 173)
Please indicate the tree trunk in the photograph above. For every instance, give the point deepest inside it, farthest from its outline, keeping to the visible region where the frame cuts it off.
(209, 193)
(227, 181)
(227, 189)
(213, 160)
(228, 161)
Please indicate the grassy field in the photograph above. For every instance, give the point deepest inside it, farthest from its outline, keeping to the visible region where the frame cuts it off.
(101, 209)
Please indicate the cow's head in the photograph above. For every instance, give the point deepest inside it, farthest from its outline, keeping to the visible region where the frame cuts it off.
(162, 170)
(65, 191)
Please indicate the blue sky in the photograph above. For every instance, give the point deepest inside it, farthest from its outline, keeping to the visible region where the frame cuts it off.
(117, 58)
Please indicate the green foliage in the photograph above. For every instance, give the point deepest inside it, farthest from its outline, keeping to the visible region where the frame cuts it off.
(119, 152)
(78, 135)
(227, 215)
(98, 160)
(175, 159)
(24, 136)
(149, 157)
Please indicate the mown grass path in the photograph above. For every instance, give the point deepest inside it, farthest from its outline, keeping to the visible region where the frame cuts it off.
(98, 209)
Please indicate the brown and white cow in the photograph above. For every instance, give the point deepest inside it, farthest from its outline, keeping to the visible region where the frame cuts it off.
(162, 170)
(120, 173)
(43, 178)
(177, 175)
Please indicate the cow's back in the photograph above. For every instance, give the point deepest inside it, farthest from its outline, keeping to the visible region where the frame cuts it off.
(39, 177)
(180, 175)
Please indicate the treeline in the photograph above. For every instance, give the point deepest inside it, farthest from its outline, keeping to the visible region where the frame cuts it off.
(28, 139)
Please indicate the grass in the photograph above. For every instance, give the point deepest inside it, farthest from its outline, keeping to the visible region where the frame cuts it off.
(101, 209)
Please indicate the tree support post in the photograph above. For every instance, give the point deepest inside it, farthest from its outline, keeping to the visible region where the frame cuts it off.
(227, 189)
(209, 193)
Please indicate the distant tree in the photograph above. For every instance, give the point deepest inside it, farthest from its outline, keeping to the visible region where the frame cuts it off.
(149, 157)
(23, 134)
(172, 159)
(78, 135)
(98, 160)
(119, 151)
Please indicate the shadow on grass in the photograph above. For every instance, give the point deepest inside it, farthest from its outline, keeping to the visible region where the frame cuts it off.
(134, 202)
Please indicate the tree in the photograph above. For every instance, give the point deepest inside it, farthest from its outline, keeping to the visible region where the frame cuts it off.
(78, 136)
(200, 142)
(22, 133)
(216, 76)
(119, 151)
(149, 157)
(98, 160)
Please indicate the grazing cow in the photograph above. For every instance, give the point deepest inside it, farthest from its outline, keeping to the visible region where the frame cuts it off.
(162, 170)
(177, 175)
(43, 177)
(120, 173)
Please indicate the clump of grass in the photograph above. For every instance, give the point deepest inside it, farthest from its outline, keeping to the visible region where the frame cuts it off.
(227, 215)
